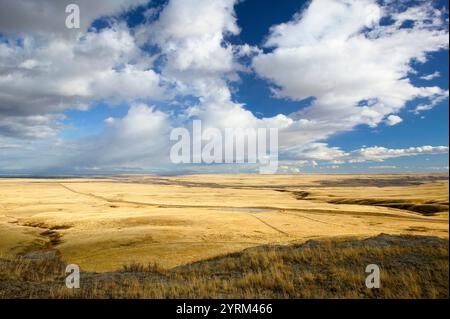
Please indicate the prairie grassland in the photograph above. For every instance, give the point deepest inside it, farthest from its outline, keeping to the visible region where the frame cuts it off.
(410, 267)
(102, 224)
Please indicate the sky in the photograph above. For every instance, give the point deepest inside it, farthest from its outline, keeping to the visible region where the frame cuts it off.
(353, 86)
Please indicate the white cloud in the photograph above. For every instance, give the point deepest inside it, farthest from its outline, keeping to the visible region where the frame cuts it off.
(335, 51)
(109, 120)
(424, 15)
(139, 139)
(191, 35)
(377, 153)
(286, 169)
(48, 75)
(432, 102)
(335, 155)
(431, 76)
(356, 69)
(30, 126)
(392, 120)
(321, 151)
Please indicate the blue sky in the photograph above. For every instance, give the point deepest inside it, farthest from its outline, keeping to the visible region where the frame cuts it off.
(104, 98)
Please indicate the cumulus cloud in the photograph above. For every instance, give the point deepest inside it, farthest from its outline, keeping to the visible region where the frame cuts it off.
(336, 53)
(135, 141)
(322, 152)
(378, 153)
(392, 120)
(31, 126)
(335, 155)
(191, 37)
(41, 76)
(356, 68)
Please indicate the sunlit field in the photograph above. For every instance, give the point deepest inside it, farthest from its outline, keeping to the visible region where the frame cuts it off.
(131, 222)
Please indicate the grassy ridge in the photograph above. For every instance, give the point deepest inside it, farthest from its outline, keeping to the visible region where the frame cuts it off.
(411, 267)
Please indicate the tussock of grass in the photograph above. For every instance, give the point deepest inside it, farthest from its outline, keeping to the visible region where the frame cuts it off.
(411, 267)
(138, 267)
(48, 267)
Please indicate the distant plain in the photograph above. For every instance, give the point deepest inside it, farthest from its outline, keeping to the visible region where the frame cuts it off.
(102, 224)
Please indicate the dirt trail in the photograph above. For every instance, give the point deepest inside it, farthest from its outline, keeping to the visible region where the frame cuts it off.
(314, 211)
(269, 225)
(173, 206)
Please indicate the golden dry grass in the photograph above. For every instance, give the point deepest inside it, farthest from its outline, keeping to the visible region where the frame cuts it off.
(411, 267)
(104, 223)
